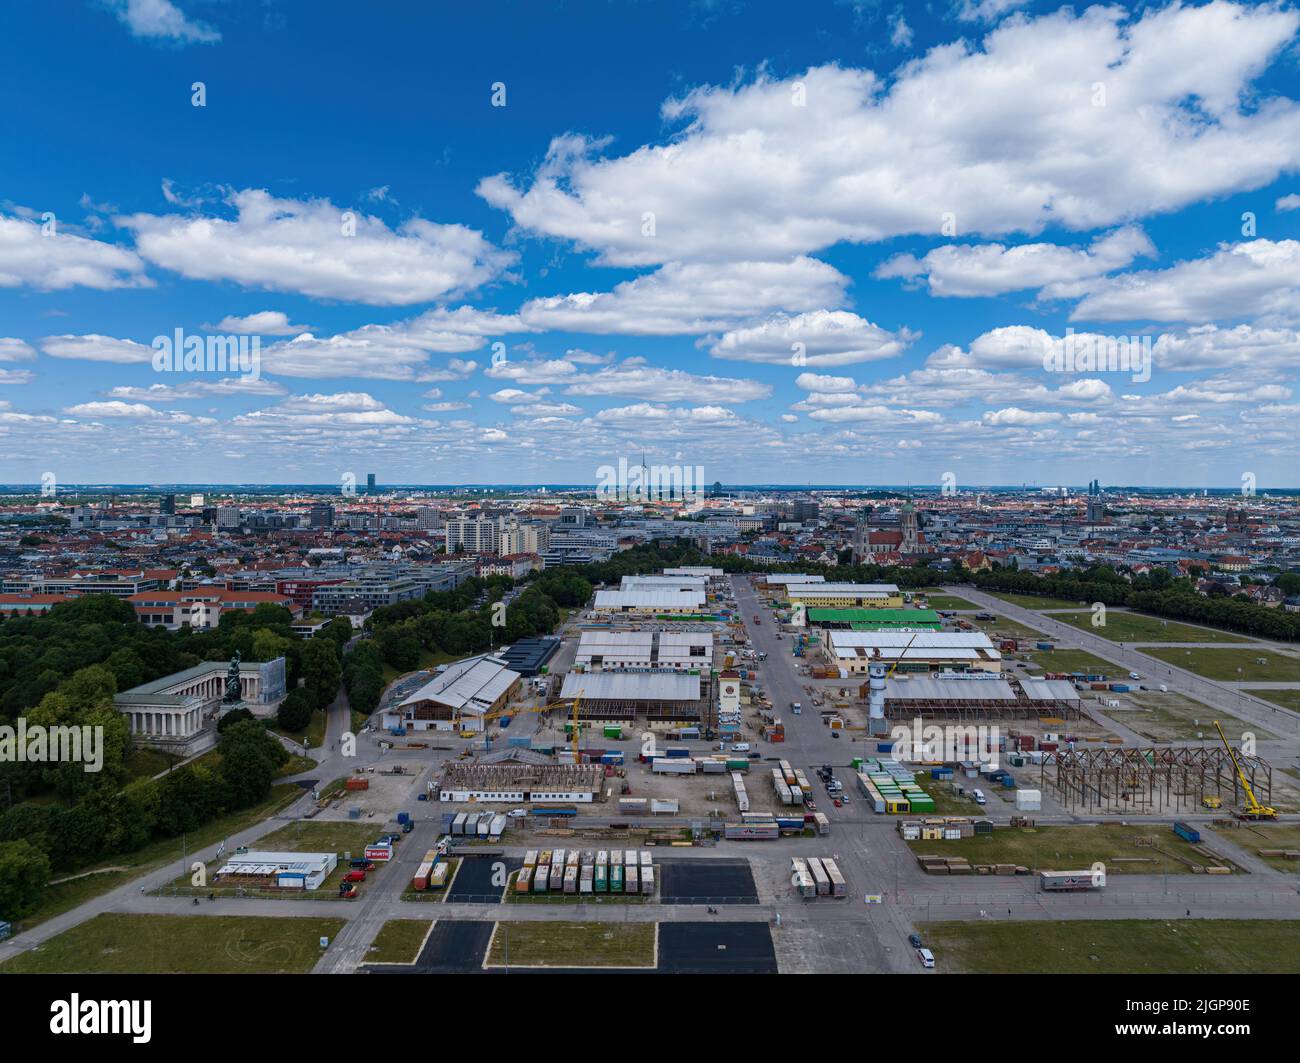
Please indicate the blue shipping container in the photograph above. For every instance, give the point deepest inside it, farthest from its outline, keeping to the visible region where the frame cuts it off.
(884, 747)
(677, 751)
(1187, 833)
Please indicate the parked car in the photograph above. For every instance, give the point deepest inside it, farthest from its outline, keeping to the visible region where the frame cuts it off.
(1134, 675)
(926, 957)
(839, 803)
(355, 876)
(517, 813)
(914, 940)
(348, 890)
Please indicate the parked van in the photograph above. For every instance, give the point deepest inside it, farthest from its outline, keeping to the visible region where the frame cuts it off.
(740, 747)
(978, 797)
(796, 708)
(926, 957)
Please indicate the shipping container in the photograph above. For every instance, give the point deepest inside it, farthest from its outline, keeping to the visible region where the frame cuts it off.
(530, 858)
(421, 879)
(602, 878)
(616, 878)
(458, 824)
(631, 878)
(838, 886)
(438, 876)
(1188, 833)
(541, 879)
(571, 879)
(1055, 881)
(525, 880)
(820, 878)
(647, 880)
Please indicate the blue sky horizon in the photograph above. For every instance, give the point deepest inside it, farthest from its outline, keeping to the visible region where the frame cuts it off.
(852, 243)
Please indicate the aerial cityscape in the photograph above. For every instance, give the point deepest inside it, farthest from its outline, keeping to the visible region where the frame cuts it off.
(688, 488)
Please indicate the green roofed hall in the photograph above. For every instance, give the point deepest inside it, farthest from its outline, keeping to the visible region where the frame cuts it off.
(877, 619)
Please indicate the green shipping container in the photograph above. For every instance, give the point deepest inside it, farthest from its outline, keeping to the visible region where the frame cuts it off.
(613, 732)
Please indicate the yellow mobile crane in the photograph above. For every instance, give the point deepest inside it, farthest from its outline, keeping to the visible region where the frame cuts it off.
(1253, 810)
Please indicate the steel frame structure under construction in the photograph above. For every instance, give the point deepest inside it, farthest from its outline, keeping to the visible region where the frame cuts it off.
(1149, 779)
(979, 709)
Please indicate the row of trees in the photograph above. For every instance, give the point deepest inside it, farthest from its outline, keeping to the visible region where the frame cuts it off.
(1157, 593)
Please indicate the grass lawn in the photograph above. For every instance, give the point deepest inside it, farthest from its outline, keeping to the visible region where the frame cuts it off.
(1235, 666)
(399, 941)
(564, 944)
(946, 802)
(59, 899)
(1134, 627)
(1076, 661)
(1255, 836)
(1070, 848)
(1118, 946)
(317, 836)
(1032, 601)
(144, 763)
(114, 943)
(1168, 717)
(1288, 699)
(939, 600)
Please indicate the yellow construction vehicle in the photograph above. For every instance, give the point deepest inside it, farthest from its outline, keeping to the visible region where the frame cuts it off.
(1253, 809)
(1212, 802)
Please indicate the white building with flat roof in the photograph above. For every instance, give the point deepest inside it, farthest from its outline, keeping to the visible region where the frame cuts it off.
(644, 650)
(649, 601)
(920, 651)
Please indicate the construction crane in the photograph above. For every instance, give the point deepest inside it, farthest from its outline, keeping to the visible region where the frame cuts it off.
(1253, 810)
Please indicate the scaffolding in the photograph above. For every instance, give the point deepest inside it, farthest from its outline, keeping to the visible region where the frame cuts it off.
(1150, 779)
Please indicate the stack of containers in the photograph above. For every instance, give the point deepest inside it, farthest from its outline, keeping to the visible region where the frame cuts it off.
(742, 797)
(782, 791)
(800, 878)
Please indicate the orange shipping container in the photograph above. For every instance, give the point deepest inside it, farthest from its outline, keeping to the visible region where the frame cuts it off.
(358, 784)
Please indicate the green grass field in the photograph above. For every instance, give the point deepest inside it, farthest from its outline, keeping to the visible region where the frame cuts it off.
(1288, 699)
(1075, 661)
(1255, 836)
(938, 600)
(1030, 601)
(1118, 946)
(1134, 627)
(115, 943)
(399, 941)
(1070, 848)
(565, 944)
(1234, 666)
(317, 836)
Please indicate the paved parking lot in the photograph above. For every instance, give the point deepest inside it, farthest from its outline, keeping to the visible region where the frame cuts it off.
(474, 880)
(716, 948)
(720, 881)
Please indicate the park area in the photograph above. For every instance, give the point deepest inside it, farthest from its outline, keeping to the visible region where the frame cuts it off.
(568, 945)
(1233, 666)
(115, 943)
(1075, 661)
(1031, 601)
(1118, 946)
(1121, 626)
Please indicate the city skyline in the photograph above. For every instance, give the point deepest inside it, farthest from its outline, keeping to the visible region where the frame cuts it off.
(758, 246)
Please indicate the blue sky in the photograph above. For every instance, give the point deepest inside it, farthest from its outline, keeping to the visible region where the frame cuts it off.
(787, 243)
